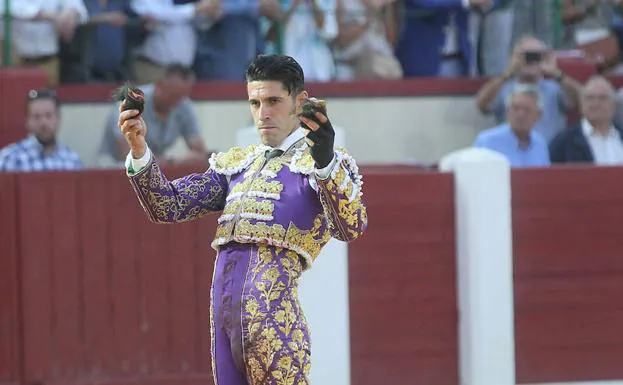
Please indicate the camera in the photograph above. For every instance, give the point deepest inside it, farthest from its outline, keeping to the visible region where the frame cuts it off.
(533, 57)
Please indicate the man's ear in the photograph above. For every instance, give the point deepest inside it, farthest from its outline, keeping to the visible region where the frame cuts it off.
(300, 98)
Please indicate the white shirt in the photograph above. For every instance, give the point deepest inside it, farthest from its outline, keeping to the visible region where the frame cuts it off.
(22, 9)
(607, 149)
(37, 38)
(174, 38)
(310, 45)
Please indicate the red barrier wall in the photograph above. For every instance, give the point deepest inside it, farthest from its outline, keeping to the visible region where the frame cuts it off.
(402, 287)
(10, 331)
(108, 296)
(92, 292)
(568, 252)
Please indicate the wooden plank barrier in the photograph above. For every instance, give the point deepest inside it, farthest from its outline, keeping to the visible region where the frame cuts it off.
(90, 292)
(568, 257)
(10, 317)
(108, 296)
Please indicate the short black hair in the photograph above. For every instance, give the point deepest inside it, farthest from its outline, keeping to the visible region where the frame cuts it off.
(281, 68)
(42, 94)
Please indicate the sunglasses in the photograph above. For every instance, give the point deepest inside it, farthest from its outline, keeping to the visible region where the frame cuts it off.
(41, 94)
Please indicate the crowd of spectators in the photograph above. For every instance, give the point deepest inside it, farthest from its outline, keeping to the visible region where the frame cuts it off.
(167, 45)
(79, 41)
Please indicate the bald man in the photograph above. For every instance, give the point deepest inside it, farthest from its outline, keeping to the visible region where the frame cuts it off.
(596, 139)
(532, 65)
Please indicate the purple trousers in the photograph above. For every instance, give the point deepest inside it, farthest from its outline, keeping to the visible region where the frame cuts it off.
(259, 333)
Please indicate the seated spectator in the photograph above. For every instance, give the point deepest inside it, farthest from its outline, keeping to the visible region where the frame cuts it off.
(36, 39)
(169, 114)
(517, 140)
(40, 151)
(596, 139)
(171, 35)
(530, 64)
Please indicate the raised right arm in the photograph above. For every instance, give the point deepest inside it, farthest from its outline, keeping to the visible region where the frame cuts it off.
(180, 200)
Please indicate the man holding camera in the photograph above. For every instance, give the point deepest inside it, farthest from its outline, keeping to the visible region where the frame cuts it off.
(533, 65)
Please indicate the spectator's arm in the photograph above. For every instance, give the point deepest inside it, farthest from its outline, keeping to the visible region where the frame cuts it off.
(164, 13)
(488, 95)
(326, 20)
(390, 21)
(348, 31)
(78, 7)
(572, 13)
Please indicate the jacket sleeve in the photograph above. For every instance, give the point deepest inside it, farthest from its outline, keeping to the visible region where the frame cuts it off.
(342, 199)
(180, 200)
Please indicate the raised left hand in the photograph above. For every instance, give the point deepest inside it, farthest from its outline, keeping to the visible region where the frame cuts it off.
(319, 132)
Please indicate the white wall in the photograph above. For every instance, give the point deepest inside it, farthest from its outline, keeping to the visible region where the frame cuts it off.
(379, 130)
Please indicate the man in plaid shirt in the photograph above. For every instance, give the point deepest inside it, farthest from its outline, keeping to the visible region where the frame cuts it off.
(40, 151)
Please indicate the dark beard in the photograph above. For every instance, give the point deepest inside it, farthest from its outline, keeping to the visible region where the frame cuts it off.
(46, 143)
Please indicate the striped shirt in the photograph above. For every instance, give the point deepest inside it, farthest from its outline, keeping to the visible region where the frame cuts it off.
(27, 155)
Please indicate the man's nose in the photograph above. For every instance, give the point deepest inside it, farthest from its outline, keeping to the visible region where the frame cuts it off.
(264, 112)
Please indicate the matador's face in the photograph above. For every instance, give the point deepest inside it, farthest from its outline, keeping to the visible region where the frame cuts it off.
(274, 110)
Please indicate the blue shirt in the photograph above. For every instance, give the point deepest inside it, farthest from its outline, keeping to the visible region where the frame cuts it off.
(503, 140)
(27, 155)
(555, 107)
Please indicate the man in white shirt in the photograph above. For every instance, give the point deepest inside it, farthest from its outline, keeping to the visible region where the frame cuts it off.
(37, 27)
(172, 36)
(596, 139)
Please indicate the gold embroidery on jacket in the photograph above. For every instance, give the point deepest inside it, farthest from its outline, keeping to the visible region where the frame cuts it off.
(277, 335)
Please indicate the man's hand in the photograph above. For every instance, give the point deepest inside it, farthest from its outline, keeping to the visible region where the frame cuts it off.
(66, 23)
(115, 18)
(549, 66)
(209, 8)
(319, 132)
(134, 130)
(517, 61)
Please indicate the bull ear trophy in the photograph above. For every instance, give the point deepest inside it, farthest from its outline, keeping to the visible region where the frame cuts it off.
(133, 96)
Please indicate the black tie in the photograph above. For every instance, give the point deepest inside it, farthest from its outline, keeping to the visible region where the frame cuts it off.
(273, 153)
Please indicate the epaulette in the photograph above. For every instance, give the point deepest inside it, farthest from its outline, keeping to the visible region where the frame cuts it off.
(236, 159)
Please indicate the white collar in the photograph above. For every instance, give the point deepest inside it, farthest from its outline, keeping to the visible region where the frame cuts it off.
(589, 130)
(294, 137)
